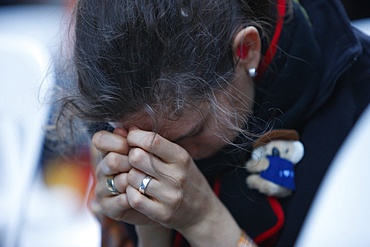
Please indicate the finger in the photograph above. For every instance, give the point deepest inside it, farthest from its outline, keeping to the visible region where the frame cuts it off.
(153, 143)
(156, 190)
(120, 183)
(112, 164)
(118, 208)
(155, 167)
(151, 208)
(145, 162)
(105, 142)
(135, 178)
(120, 131)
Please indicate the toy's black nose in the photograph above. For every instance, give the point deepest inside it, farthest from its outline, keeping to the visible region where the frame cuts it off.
(275, 152)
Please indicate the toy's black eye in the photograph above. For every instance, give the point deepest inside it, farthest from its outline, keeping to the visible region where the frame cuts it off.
(275, 152)
(286, 151)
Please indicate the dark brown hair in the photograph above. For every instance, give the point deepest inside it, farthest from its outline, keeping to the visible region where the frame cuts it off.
(155, 56)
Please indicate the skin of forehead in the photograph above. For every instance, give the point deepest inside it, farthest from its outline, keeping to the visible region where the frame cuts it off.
(169, 129)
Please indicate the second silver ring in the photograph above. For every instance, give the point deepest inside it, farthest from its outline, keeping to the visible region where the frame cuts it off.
(111, 186)
(144, 184)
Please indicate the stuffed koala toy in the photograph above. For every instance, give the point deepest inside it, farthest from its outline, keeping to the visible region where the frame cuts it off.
(272, 163)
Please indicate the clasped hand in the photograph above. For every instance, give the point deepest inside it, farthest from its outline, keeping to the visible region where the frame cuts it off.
(177, 197)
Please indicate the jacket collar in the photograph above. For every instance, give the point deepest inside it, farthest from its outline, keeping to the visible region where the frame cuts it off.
(306, 66)
(298, 80)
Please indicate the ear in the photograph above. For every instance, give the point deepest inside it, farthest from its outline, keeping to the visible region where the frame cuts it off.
(247, 48)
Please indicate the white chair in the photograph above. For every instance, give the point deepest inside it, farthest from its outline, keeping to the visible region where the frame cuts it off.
(25, 77)
(340, 214)
(363, 25)
(32, 214)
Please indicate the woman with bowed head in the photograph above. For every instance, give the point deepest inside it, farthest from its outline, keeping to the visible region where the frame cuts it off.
(176, 92)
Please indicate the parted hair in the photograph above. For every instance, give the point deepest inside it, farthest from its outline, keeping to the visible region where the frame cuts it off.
(156, 56)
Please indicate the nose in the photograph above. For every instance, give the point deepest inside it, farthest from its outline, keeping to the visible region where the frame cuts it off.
(275, 152)
(195, 151)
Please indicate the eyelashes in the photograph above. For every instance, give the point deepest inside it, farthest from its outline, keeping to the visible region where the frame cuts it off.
(198, 131)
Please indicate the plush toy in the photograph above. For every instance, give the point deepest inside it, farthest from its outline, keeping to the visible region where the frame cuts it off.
(272, 163)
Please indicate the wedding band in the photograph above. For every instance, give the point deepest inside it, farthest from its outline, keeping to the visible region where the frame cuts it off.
(144, 184)
(111, 187)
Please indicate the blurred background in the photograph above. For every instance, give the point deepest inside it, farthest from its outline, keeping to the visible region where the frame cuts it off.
(44, 196)
(357, 9)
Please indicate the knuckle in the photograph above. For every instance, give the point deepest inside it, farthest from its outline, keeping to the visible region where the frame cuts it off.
(131, 176)
(151, 141)
(96, 139)
(99, 170)
(183, 158)
(136, 156)
(122, 201)
(121, 182)
(155, 142)
(112, 159)
(178, 197)
(180, 179)
(121, 145)
(97, 193)
(104, 205)
(165, 218)
(136, 202)
(120, 209)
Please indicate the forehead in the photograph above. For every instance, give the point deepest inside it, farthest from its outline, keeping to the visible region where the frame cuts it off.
(170, 129)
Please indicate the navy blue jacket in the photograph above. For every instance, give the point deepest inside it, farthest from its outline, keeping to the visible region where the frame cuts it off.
(343, 94)
(318, 84)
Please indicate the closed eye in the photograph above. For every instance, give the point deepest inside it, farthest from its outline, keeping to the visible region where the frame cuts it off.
(195, 132)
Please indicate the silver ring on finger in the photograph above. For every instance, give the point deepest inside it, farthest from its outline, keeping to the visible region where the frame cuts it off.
(111, 187)
(144, 184)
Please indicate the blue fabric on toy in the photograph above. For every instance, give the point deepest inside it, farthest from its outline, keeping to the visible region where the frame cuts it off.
(280, 171)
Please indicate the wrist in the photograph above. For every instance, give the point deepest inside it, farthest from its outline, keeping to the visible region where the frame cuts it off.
(216, 228)
(153, 235)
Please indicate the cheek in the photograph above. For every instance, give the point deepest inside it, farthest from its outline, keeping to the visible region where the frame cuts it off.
(202, 146)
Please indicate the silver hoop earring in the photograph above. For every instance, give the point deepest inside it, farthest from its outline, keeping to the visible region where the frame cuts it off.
(252, 72)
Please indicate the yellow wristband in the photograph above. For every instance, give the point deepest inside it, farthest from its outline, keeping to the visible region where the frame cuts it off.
(245, 241)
